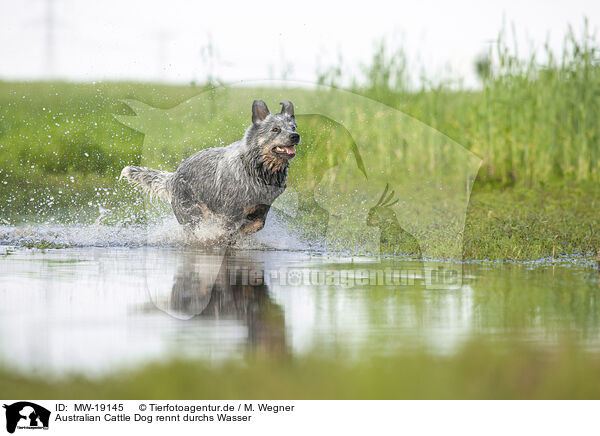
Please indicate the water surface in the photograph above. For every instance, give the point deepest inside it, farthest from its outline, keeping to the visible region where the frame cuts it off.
(97, 309)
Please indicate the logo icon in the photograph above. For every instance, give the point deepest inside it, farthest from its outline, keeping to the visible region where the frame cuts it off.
(26, 415)
(398, 187)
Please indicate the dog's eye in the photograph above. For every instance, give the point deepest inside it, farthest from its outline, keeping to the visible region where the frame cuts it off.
(276, 129)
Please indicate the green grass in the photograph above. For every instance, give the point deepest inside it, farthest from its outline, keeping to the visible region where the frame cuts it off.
(531, 223)
(480, 370)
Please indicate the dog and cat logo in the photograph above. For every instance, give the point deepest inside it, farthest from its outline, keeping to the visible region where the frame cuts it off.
(403, 191)
(26, 415)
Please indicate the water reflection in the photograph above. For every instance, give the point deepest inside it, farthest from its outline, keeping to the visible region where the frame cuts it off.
(104, 308)
(222, 285)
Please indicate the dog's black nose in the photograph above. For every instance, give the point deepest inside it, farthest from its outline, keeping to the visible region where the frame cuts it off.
(295, 138)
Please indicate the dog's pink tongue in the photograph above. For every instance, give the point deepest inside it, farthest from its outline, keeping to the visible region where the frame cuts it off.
(290, 150)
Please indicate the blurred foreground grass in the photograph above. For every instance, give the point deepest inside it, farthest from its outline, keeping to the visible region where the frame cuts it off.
(480, 370)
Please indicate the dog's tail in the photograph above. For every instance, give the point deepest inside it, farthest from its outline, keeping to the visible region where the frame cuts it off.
(154, 182)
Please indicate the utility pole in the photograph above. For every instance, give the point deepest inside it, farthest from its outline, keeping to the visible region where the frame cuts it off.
(162, 39)
(49, 34)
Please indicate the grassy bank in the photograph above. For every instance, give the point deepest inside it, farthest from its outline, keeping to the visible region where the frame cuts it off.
(477, 371)
(520, 223)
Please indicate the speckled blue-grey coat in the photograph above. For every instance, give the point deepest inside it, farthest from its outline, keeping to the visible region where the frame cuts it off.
(238, 182)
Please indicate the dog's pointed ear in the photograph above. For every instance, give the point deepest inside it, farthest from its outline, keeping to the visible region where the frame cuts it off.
(287, 108)
(259, 111)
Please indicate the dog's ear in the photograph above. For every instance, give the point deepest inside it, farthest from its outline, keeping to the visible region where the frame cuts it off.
(259, 111)
(287, 108)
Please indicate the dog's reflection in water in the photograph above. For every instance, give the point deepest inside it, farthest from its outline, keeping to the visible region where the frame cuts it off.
(229, 286)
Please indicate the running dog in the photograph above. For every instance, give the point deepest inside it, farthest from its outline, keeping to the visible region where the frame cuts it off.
(237, 183)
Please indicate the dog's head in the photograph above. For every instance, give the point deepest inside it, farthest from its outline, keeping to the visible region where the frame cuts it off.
(273, 136)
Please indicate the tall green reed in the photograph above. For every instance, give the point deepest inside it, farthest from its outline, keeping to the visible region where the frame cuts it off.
(534, 119)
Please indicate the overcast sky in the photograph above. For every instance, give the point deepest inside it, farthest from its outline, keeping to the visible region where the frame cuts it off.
(170, 40)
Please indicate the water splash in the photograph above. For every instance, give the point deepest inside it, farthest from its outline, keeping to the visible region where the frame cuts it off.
(164, 232)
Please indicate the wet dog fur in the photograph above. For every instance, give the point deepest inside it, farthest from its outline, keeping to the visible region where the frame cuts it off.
(237, 183)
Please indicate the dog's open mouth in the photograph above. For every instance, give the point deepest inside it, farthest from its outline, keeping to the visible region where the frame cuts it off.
(289, 151)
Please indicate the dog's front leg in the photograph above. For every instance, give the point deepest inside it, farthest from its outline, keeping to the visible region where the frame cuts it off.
(252, 226)
(255, 219)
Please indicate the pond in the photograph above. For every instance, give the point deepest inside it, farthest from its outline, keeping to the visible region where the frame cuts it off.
(97, 309)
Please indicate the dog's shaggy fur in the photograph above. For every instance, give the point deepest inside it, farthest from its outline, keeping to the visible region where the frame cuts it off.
(237, 183)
